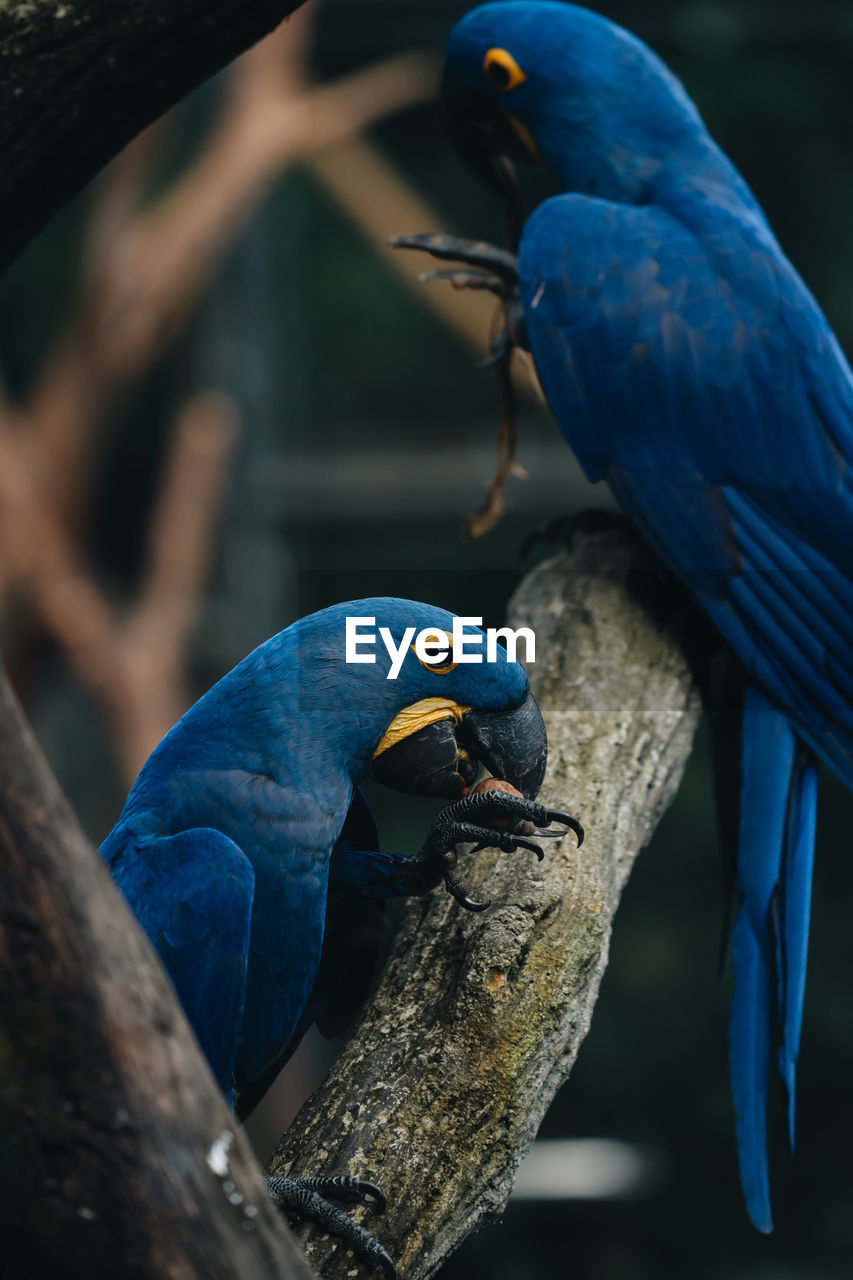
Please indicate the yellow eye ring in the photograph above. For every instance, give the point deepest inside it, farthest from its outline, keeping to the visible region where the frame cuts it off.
(502, 70)
(438, 637)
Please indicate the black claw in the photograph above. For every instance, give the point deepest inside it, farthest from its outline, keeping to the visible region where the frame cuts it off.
(473, 253)
(386, 1264)
(471, 821)
(561, 530)
(547, 534)
(344, 1189)
(458, 892)
(521, 842)
(472, 278)
(573, 825)
(372, 1194)
(306, 1199)
(456, 888)
(566, 819)
(498, 804)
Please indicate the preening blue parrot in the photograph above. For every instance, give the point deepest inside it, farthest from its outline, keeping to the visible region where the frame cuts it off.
(689, 366)
(250, 858)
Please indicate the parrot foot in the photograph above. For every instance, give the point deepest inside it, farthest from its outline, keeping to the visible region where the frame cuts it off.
(308, 1200)
(480, 265)
(479, 254)
(477, 820)
(460, 278)
(560, 530)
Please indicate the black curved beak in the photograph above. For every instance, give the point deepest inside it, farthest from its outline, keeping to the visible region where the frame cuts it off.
(427, 763)
(485, 141)
(513, 745)
(476, 128)
(443, 758)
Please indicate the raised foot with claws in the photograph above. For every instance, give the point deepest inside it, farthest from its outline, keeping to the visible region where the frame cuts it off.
(484, 266)
(475, 820)
(490, 267)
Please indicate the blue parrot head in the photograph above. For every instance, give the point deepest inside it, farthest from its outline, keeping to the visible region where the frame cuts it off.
(547, 81)
(423, 723)
(366, 701)
(453, 710)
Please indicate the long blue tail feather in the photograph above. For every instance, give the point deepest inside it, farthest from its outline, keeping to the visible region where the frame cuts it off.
(796, 890)
(750, 1036)
(767, 762)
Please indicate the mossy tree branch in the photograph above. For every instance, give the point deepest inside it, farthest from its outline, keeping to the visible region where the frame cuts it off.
(478, 1019)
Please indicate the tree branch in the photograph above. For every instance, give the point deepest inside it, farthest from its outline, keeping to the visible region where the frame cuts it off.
(119, 1154)
(478, 1019)
(81, 77)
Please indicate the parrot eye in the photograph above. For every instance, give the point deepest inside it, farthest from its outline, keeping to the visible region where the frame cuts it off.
(437, 649)
(503, 70)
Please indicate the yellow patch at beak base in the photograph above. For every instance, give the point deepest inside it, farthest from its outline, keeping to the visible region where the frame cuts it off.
(417, 716)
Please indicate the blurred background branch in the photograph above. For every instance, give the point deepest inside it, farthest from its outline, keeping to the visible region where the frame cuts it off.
(146, 263)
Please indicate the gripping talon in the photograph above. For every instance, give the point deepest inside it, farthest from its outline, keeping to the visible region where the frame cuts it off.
(306, 1199)
(345, 1189)
(370, 1195)
(555, 815)
(456, 888)
(573, 825)
(521, 842)
(458, 891)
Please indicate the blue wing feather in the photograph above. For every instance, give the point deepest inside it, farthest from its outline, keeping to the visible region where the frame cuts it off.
(687, 364)
(721, 410)
(354, 929)
(192, 894)
(711, 368)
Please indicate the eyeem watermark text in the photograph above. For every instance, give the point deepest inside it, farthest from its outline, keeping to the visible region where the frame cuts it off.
(436, 648)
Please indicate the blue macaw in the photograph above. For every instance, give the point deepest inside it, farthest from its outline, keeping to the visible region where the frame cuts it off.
(250, 858)
(689, 366)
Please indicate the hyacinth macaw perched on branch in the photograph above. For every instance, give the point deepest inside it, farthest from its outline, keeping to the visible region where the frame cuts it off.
(250, 858)
(688, 365)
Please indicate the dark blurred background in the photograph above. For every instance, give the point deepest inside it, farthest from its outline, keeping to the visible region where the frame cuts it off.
(359, 434)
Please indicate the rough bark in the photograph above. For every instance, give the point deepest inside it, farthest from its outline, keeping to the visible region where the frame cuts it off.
(79, 78)
(119, 1156)
(478, 1019)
